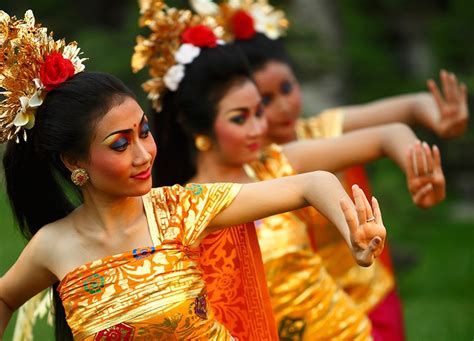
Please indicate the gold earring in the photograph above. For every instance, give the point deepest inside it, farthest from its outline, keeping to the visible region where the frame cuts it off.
(202, 143)
(79, 177)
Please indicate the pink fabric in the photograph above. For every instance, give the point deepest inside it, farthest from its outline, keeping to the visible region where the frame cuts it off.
(387, 319)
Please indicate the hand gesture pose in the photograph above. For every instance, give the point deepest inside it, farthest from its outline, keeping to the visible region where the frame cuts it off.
(367, 232)
(452, 114)
(425, 176)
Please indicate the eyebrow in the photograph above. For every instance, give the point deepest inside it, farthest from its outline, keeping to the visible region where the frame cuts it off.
(124, 131)
(238, 109)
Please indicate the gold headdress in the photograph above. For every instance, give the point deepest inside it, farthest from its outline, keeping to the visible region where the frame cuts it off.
(31, 64)
(241, 19)
(175, 39)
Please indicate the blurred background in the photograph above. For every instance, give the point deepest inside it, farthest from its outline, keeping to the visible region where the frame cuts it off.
(345, 52)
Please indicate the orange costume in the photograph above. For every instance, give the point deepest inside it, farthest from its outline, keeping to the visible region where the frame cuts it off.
(158, 291)
(307, 303)
(231, 265)
(372, 288)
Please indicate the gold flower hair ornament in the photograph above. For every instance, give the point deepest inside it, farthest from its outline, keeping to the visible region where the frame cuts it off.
(242, 19)
(31, 64)
(176, 38)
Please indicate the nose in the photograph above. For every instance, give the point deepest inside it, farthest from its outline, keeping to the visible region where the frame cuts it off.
(284, 106)
(257, 126)
(142, 154)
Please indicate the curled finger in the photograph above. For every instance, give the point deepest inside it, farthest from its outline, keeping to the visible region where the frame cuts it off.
(419, 195)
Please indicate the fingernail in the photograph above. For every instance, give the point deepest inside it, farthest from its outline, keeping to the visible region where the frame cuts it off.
(377, 241)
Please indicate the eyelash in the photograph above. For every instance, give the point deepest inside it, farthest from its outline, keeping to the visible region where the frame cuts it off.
(240, 119)
(285, 88)
(121, 144)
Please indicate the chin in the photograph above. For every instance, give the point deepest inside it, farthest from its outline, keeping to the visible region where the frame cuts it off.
(142, 189)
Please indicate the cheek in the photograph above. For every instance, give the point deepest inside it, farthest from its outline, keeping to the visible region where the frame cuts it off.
(107, 164)
(229, 138)
(272, 113)
(295, 99)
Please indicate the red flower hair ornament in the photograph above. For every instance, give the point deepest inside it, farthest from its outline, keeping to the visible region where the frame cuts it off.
(243, 25)
(200, 36)
(55, 70)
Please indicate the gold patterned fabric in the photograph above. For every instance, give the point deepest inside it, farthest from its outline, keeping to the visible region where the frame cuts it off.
(366, 286)
(154, 292)
(307, 303)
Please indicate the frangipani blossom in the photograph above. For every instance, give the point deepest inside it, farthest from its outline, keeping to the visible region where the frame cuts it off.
(173, 76)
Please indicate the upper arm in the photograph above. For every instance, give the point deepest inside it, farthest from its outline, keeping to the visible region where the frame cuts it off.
(28, 275)
(335, 154)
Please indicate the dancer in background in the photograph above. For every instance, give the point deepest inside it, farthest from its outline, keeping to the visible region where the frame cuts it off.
(210, 123)
(257, 28)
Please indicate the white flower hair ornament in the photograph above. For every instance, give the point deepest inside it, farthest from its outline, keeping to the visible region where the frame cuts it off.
(242, 19)
(32, 63)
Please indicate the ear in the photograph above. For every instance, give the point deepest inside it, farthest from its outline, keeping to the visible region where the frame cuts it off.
(71, 163)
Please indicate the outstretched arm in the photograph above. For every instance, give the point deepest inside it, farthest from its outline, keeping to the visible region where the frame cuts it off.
(322, 190)
(396, 141)
(355, 148)
(444, 112)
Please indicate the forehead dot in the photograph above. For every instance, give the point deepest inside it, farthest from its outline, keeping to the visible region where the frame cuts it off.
(134, 125)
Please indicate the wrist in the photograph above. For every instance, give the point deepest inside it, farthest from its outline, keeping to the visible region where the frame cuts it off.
(424, 111)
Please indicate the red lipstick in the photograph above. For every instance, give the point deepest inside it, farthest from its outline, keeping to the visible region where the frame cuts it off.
(143, 175)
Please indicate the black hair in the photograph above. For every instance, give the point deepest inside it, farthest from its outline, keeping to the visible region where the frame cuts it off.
(38, 183)
(260, 49)
(192, 109)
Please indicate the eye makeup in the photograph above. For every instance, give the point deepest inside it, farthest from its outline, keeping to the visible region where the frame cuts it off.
(144, 129)
(266, 99)
(117, 141)
(237, 116)
(286, 87)
(120, 139)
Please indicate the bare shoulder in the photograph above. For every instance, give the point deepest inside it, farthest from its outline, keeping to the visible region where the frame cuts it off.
(50, 241)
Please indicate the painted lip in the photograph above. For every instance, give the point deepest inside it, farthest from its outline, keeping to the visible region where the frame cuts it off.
(143, 175)
(254, 146)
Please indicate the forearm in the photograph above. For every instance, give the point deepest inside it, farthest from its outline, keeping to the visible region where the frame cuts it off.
(396, 140)
(324, 193)
(266, 198)
(409, 109)
(355, 148)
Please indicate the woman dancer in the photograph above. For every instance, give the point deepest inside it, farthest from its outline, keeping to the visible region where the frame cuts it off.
(257, 28)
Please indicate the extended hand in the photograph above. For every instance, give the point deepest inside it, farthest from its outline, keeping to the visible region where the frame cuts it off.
(366, 228)
(425, 176)
(453, 113)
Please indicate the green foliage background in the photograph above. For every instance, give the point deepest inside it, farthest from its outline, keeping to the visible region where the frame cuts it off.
(372, 63)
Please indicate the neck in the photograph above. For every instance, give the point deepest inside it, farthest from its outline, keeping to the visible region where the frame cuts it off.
(111, 214)
(210, 169)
